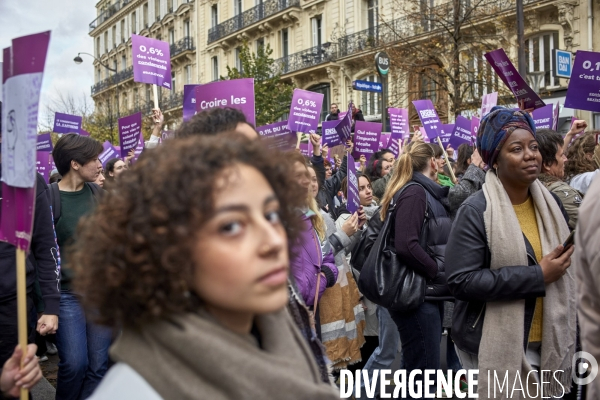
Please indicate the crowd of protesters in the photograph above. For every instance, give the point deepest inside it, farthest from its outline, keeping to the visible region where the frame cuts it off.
(215, 268)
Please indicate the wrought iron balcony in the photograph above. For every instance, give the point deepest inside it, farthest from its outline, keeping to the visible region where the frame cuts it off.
(249, 17)
(187, 43)
(144, 106)
(175, 100)
(109, 12)
(307, 58)
(121, 76)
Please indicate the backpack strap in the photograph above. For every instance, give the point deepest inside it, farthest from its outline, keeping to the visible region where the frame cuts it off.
(97, 191)
(54, 194)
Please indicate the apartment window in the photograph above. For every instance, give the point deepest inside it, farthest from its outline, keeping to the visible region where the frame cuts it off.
(372, 13)
(171, 36)
(106, 42)
(427, 15)
(98, 75)
(188, 74)
(145, 15)
(170, 5)
(325, 89)
(539, 51)
(214, 15)
(98, 46)
(124, 103)
(260, 44)
(114, 36)
(316, 23)
(115, 65)
(133, 23)
(186, 28)
(215, 67)
(428, 88)
(481, 78)
(123, 62)
(123, 31)
(371, 102)
(173, 83)
(237, 7)
(157, 10)
(284, 42)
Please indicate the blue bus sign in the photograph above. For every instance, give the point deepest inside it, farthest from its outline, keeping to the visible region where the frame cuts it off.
(367, 86)
(563, 62)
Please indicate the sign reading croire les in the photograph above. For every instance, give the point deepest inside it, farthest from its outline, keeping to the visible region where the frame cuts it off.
(382, 63)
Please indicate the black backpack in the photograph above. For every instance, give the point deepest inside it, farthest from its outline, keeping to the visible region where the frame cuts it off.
(54, 194)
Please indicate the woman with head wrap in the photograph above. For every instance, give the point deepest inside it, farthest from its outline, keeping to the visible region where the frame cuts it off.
(515, 308)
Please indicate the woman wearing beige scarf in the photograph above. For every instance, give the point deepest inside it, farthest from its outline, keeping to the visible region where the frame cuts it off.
(515, 310)
(188, 257)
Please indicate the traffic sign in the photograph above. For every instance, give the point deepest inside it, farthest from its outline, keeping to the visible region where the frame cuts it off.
(367, 86)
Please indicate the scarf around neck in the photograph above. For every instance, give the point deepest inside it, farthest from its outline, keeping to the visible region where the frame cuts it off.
(192, 356)
(501, 347)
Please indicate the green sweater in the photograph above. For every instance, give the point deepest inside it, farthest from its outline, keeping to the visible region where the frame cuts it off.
(445, 181)
(74, 205)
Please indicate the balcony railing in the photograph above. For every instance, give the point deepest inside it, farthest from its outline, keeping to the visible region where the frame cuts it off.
(109, 12)
(307, 58)
(121, 76)
(249, 17)
(187, 43)
(175, 100)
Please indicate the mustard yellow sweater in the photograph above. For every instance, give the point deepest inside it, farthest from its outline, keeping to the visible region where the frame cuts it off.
(526, 216)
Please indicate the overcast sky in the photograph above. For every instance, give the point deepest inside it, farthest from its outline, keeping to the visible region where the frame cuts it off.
(68, 20)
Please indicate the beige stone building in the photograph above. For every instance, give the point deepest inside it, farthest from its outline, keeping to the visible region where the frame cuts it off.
(324, 45)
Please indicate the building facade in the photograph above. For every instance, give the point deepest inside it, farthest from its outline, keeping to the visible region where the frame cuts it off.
(325, 45)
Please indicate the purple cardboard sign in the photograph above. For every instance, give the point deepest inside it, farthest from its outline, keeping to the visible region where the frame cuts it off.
(543, 117)
(43, 164)
(399, 122)
(16, 220)
(22, 73)
(139, 148)
(461, 133)
(366, 138)
(353, 203)
(555, 116)
(189, 101)
(395, 145)
(305, 111)
(108, 153)
(151, 61)
(446, 134)
(344, 127)
(235, 93)
(278, 136)
(384, 139)
(513, 80)
(305, 149)
(429, 118)
(44, 142)
(84, 133)
(66, 123)
(474, 127)
(488, 101)
(582, 93)
(330, 133)
(130, 130)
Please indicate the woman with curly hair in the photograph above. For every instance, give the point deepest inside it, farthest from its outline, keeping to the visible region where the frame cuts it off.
(583, 165)
(191, 249)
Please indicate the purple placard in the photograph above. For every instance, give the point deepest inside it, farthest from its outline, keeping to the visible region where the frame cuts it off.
(366, 138)
(543, 117)
(582, 93)
(429, 118)
(108, 153)
(461, 133)
(66, 123)
(353, 203)
(305, 111)
(235, 93)
(384, 139)
(399, 122)
(130, 130)
(278, 136)
(83, 132)
(446, 134)
(330, 133)
(394, 146)
(305, 148)
(44, 142)
(474, 128)
(555, 116)
(513, 80)
(167, 135)
(151, 61)
(488, 101)
(344, 127)
(139, 148)
(43, 164)
(16, 220)
(189, 101)
(424, 133)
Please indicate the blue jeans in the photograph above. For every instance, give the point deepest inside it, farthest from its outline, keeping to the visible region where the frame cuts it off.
(82, 349)
(385, 354)
(421, 335)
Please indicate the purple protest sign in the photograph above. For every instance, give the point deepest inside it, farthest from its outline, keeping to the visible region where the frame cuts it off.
(235, 93)
(461, 133)
(278, 136)
(43, 164)
(366, 138)
(555, 116)
(344, 127)
(130, 130)
(446, 134)
(84, 132)
(353, 203)
(16, 220)
(139, 148)
(305, 111)
(488, 101)
(108, 153)
(167, 135)
(189, 101)
(513, 80)
(305, 149)
(66, 123)
(22, 72)
(429, 118)
(582, 93)
(330, 133)
(384, 139)
(151, 61)
(44, 142)
(399, 122)
(424, 133)
(543, 117)
(474, 128)
(395, 145)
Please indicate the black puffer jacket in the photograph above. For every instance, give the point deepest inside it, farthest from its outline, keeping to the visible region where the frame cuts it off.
(473, 283)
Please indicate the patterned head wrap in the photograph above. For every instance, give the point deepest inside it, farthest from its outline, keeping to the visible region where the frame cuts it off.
(496, 127)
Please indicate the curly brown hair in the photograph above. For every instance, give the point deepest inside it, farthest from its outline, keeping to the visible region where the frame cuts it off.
(578, 162)
(133, 255)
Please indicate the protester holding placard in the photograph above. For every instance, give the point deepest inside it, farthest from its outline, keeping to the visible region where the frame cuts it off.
(583, 166)
(441, 179)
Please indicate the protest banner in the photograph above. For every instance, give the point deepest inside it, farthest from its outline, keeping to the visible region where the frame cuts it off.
(384, 139)
(474, 128)
(582, 93)
(461, 133)
(398, 122)
(44, 142)
(344, 127)
(43, 164)
(234, 93)
(488, 101)
(66, 123)
(429, 118)
(555, 116)
(151, 59)
(543, 117)
(130, 130)
(513, 80)
(395, 145)
(353, 203)
(22, 73)
(278, 136)
(330, 134)
(108, 153)
(139, 148)
(83, 132)
(189, 101)
(305, 146)
(366, 138)
(305, 111)
(446, 133)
